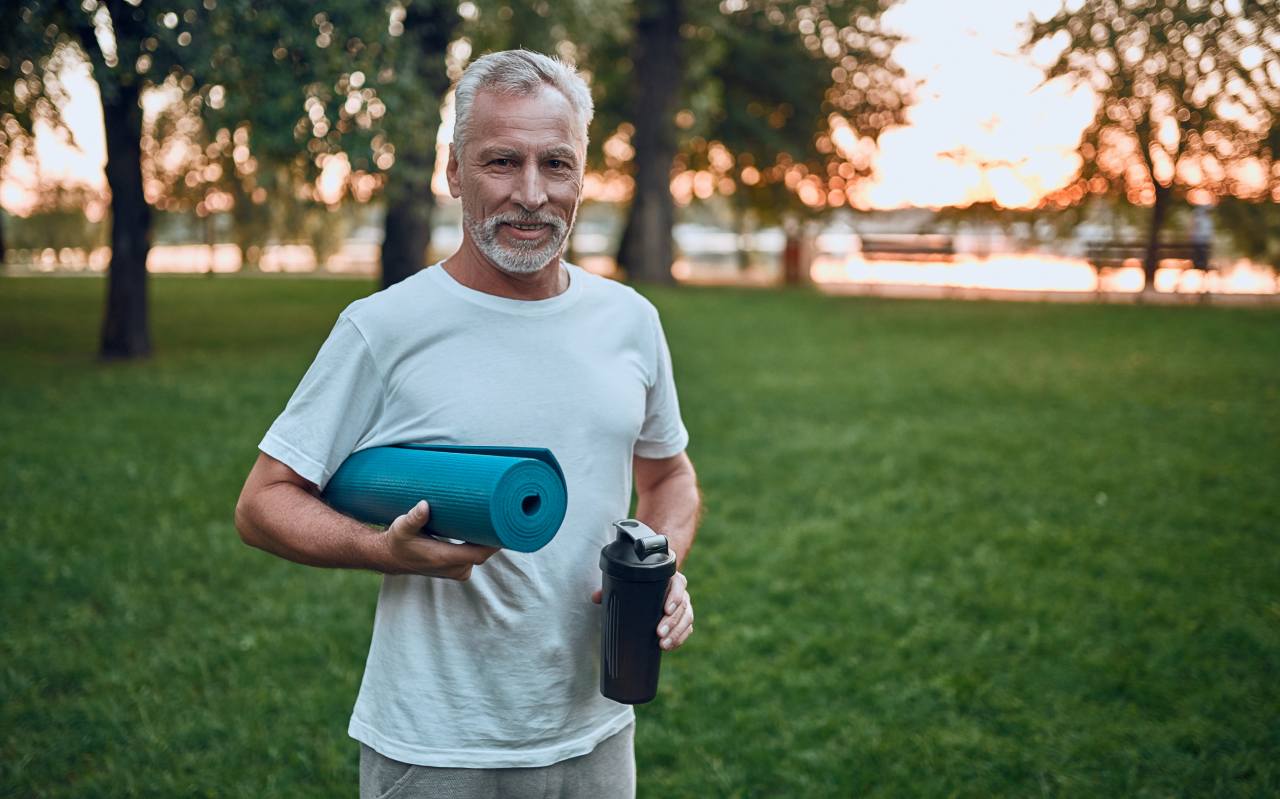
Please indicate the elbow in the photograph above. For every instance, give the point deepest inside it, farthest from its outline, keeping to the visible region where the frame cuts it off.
(244, 524)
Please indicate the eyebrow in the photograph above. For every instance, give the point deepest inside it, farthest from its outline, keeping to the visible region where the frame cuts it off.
(498, 152)
(562, 152)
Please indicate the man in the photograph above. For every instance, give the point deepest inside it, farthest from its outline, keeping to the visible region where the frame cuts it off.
(482, 675)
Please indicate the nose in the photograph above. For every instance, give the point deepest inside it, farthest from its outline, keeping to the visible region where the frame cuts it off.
(530, 190)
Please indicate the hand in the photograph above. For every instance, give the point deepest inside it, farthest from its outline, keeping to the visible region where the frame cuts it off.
(414, 553)
(677, 625)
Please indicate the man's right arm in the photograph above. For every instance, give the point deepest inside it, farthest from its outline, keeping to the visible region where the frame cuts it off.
(281, 512)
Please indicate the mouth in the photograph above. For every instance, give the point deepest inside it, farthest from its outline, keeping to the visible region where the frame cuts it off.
(526, 230)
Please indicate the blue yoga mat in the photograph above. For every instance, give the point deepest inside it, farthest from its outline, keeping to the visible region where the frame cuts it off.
(511, 497)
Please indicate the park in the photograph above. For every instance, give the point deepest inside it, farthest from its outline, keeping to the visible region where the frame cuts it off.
(988, 479)
(984, 548)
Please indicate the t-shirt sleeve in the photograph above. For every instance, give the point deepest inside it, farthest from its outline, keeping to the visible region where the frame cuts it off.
(332, 410)
(663, 433)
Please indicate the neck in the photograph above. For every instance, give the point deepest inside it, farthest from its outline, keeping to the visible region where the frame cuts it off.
(472, 269)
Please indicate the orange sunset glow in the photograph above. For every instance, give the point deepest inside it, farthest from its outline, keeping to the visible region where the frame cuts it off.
(981, 129)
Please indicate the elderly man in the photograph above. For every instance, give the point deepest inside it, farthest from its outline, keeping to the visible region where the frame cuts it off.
(482, 675)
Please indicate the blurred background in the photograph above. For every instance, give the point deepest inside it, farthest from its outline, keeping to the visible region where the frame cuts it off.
(903, 148)
(978, 548)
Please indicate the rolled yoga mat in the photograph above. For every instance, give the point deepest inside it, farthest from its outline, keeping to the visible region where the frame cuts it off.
(511, 497)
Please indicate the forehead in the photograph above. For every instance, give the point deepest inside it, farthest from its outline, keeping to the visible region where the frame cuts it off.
(540, 120)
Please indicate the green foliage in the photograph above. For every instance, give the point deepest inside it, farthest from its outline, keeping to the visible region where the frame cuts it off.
(412, 81)
(576, 29)
(765, 84)
(58, 221)
(1189, 92)
(264, 94)
(326, 229)
(129, 47)
(950, 549)
(787, 75)
(283, 88)
(29, 89)
(1254, 228)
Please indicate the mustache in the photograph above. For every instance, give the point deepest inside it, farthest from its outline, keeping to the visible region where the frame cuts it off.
(526, 218)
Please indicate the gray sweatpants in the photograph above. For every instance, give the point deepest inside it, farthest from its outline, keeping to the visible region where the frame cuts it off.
(607, 772)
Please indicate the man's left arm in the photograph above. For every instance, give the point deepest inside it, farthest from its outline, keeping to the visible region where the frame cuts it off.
(667, 500)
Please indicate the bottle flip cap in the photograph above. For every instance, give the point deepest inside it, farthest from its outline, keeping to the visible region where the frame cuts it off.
(638, 554)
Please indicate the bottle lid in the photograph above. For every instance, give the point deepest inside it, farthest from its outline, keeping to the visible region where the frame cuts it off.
(637, 554)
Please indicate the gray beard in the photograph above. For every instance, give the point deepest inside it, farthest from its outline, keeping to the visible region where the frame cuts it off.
(521, 258)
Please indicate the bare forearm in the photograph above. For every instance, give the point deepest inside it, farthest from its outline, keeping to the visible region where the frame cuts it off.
(288, 521)
(672, 507)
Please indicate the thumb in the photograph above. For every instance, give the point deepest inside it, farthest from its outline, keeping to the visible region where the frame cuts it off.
(411, 523)
(597, 595)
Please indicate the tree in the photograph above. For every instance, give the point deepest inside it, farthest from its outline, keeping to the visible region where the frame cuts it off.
(413, 93)
(1188, 100)
(22, 98)
(242, 67)
(273, 114)
(15, 127)
(284, 89)
(783, 141)
(647, 250)
(802, 132)
(415, 80)
(118, 45)
(1253, 227)
(57, 221)
(129, 48)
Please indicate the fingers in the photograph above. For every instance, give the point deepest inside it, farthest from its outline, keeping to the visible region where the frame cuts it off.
(597, 596)
(675, 592)
(474, 553)
(446, 554)
(460, 573)
(431, 557)
(674, 628)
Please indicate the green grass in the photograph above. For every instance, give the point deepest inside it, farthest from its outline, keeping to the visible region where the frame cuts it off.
(950, 549)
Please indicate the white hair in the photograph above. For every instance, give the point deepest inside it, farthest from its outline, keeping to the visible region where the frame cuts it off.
(518, 72)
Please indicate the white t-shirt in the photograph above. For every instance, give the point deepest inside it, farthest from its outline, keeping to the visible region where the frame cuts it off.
(502, 670)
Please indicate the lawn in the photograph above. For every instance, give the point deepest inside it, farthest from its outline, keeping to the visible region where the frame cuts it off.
(950, 549)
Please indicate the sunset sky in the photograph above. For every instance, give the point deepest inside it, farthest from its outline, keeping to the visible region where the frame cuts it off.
(1006, 139)
(979, 101)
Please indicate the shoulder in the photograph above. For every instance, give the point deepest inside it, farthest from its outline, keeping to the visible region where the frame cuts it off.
(617, 297)
(392, 305)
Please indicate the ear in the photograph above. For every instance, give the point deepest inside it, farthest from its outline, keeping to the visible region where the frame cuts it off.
(451, 172)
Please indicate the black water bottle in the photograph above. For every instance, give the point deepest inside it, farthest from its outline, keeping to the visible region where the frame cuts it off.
(636, 567)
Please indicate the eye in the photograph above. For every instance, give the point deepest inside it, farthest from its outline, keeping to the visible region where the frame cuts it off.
(556, 163)
(501, 162)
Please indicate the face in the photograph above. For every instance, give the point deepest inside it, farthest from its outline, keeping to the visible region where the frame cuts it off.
(520, 178)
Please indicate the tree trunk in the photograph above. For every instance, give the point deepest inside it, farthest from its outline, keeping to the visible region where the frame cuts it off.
(250, 257)
(246, 227)
(742, 228)
(1152, 260)
(428, 29)
(210, 242)
(795, 255)
(125, 332)
(648, 250)
(407, 228)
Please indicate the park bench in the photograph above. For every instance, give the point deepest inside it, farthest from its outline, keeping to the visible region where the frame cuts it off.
(1114, 253)
(907, 246)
